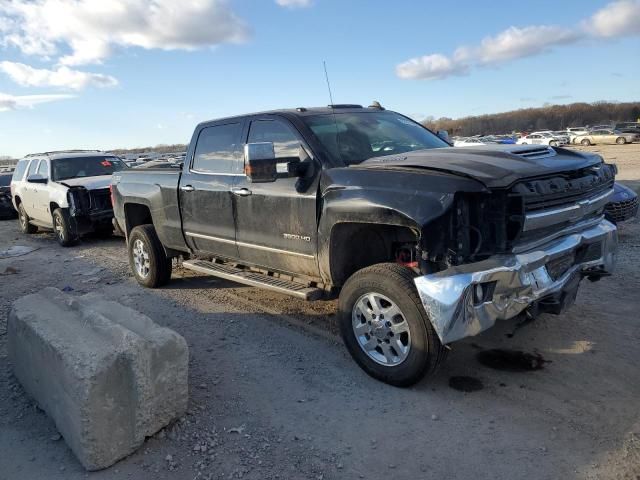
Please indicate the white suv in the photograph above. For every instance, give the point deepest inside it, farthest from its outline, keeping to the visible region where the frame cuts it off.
(67, 192)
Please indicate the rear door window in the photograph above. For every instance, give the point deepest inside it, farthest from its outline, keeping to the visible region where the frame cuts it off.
(20, 169)
(218, 149)
(33, 166)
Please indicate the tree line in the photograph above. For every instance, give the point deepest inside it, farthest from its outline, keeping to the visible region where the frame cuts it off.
(548, 117)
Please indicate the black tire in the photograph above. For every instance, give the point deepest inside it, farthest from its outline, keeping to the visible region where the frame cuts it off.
(585, 142)
(621, 140)
(62, 228)
(157, 272)
(23, 218)
(395, 282)
(553, 143)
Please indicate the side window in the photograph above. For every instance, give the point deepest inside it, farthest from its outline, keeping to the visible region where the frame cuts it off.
(43, 169)
(218, 148)
(20, 169)
(285, 142)
(32, 168)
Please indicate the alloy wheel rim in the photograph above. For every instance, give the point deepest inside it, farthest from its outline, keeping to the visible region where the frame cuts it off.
(381, 329)
(141, 259)
(23, 218)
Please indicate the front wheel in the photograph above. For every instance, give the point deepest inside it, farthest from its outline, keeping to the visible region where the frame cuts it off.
(553, 143)
(62, 228)
(385, 327)
(621, 140)
(585, 142)
(147, 257)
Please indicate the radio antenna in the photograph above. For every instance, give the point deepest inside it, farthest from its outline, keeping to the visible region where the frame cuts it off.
(326, 76)
(333, 110)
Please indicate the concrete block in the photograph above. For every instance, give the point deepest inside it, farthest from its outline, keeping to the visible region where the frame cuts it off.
(107, 375)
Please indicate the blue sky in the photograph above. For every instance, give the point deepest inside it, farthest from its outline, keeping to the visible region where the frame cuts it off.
(151, 81)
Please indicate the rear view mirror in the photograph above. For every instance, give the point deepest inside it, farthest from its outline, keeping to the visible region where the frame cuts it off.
(260, 162)
(444, 135)
(35, 178)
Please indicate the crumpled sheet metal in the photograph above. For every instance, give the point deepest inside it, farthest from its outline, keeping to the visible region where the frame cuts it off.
(520, 279)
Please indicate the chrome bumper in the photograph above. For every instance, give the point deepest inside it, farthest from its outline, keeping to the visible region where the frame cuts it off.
(465, 300)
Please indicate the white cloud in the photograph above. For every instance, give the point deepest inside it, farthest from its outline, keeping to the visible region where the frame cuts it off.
(13, 102)
(62, 77)
(430, 67)
(620, 18)
(516, 43)
(86, 31)
(617, 19)
(294, 3)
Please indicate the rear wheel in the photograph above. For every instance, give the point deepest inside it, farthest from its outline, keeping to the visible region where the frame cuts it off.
(23, 218)
(621, 140)
(585, 142)
(62, 228)
(147, 257)
(385, 327)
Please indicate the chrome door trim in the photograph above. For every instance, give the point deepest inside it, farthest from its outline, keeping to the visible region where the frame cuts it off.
(249, 245)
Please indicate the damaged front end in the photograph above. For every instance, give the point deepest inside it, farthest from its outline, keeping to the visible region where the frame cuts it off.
(495, 255)
(89, 210)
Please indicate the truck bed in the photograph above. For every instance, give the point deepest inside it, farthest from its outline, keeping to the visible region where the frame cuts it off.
(157, 189)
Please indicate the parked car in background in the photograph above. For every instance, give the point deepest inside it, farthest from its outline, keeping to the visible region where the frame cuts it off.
(541, 139)
(469, 142)
(6, 207)
(159, 164)
(628, 127)
(602, 136)
(66, 191)
(573, 132)
(623, 204)
(562, 135)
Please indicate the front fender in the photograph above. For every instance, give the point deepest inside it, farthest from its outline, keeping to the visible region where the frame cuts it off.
(351, 205)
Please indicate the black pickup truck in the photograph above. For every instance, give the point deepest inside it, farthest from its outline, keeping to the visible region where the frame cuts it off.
(424, 244)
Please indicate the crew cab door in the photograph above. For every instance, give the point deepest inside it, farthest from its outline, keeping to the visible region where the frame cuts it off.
(276, 222)
(40, 195)
(29, 191)
(209, 173)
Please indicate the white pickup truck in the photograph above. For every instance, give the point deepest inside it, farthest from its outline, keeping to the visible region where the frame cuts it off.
(66, 191)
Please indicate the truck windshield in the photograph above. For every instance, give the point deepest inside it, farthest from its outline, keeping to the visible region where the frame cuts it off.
(79, 167)
(354, 137)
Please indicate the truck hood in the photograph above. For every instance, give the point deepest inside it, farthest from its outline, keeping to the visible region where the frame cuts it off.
(496, 166)
(90, 183)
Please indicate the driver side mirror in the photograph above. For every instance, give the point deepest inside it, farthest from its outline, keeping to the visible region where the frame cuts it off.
(35, 178)
(444, 135)
(261, 164)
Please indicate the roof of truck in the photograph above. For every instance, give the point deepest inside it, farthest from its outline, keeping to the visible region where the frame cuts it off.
(70, 154)
(308, 111)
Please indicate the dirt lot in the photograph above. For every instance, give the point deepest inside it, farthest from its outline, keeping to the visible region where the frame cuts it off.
(275, 395)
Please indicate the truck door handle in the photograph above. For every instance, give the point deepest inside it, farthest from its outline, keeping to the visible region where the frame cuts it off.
(241, 192)
(187, 188)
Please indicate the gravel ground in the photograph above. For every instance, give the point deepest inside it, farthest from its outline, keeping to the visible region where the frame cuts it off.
(273, 393)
